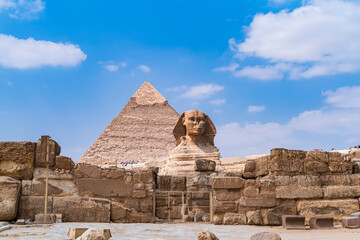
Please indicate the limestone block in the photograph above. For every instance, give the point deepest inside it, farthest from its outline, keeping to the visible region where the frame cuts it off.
(258, 202)
(139, 186)
(41, 151)
(31, 205)
(355, 179)
(198, 182)
(341, 167)
(139, 194)
(286, 154)
(204, 165)
(336, 157)
(298, 181)
(92, 234)
(9, 197)
(334, 192)
(80, 209)
(218, 219)
(163, 213)
(266, 236)
(118, 212)
(132, 203)
(87, 171)
(58, 188)
(294, 192)
(286, 167)
(227, 182)
(137, 217)
(250, 166)
(225, 206)
(25, 187)
(206, 236)
(40, 173)
(146, 205)
(258, 167)
(273, 216)
(316, 167)
(329, 180)
(63, 162)
(286, 162)
(298, 187)
(350, 222)
(17, 159)
(227, 194)
(164, 182)
(144, 176)
(318, 156)
(178, 183)
(234, 219)
(337, 208)
(254, 217)
(117, 173)
(104, 188)
(259, 193)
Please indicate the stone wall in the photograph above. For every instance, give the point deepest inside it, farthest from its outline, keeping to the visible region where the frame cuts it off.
(80, 192)
(284, 182)
(185, 198)
(288, 182)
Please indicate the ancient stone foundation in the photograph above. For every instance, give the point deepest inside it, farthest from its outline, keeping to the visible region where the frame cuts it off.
(287, 182)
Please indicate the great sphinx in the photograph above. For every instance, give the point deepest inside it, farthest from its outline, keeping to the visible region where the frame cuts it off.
(194, 134)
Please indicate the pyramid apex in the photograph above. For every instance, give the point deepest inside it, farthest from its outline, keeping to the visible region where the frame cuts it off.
(148, 95)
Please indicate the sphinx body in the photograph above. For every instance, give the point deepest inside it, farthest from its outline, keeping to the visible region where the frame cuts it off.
(194, 134)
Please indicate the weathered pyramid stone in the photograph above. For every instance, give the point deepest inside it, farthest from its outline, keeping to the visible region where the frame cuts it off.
(141, 132)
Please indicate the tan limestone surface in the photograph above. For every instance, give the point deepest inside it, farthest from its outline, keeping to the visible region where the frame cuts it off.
(142, 131)
(9, 197)
(17, 159)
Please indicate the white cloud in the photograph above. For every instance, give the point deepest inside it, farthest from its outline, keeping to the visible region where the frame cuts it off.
(254, 108)
(111, 68)
(22, 9)
(144, 68)
(6, 4)
(316, 39)
(31, 53)
(218, 102)
(260, 73)
(177, 89)
(202, 91)
(334, 125)
(232, 67)
(344, 97)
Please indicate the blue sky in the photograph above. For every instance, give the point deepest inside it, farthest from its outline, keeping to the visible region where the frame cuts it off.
(269, 73)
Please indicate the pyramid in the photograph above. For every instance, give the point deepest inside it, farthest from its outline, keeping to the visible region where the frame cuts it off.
(142, 131)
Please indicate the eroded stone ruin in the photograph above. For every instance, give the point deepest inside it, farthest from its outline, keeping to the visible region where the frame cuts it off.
(191, 186)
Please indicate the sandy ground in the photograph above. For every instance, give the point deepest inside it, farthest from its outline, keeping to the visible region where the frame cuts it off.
(175, 231)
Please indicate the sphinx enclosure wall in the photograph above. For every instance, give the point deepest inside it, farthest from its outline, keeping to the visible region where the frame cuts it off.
(284, 182)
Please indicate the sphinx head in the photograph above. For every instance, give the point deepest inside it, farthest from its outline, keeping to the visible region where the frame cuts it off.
(195, 123)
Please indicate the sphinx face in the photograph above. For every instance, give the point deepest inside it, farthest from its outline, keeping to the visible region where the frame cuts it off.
(194, 122)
